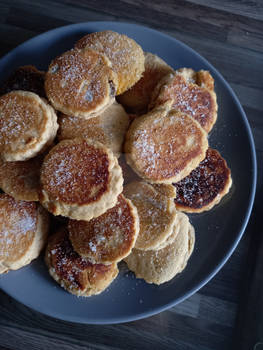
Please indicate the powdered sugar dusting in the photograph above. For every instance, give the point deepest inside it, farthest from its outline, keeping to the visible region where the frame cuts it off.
(189, 98)
(163, 146)
(121, 50)
(92, 247)
(153, 210)
(204, 183)
(107, 237)
(78, 81)
(17, 227)
(74, 272)
(20, 119)
(76, 173)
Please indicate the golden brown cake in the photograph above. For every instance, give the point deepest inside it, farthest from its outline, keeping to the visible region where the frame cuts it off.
(160, 266)
(23, 232)
(81, 83)
(76, 274)
(156, 212)
(80, 179)
(137, 98)
(164, 145)
(192, 93)
(125, 54)
(21, 179)
(27, 125)
(109, 128)
(108, 238)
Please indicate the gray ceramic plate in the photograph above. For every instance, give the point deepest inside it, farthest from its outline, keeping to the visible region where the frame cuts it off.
(217, 231)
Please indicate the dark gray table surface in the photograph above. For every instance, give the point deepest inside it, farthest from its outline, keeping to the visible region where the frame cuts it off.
(228, 312)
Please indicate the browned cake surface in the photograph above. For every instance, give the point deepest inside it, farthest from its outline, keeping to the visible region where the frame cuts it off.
(21, 179)
(28, 125)
(109, 237)
(205, 184)
(75, 172)
(109, 127)
(190, 98)
(71, 127)
(137, 98)
(80, 82)
(27, 78)
(164, 145)
(125, 54)
(76, 274)
(20, 114)
(18, 223)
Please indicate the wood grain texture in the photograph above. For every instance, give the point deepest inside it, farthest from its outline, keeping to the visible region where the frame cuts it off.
(249, 326)
(168, 330)
(251, 9)
(222, 314)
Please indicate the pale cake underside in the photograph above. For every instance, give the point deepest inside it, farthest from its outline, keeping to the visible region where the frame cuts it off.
(160, 266)
(108, 128)
(156, 212)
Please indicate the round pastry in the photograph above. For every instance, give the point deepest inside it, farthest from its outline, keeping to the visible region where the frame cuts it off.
(160, 266)
(108, 238)
(21, 179)
(202, 78)
(125, 54)
(27, 125)
(191, 92)
(137, 98)
(81, 83)
(165, 145)
(109, 128)
(157, 214)
(205, 186)
(23, 232)
(181, 224)
(26, 78)
(166, 190)
(74, 273)
(80, 179)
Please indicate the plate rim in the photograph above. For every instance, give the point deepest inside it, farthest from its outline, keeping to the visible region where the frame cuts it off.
(252, 151)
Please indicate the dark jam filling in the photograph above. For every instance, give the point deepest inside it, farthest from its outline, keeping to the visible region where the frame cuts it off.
(26, 78)
(71, 267)
(204, 183)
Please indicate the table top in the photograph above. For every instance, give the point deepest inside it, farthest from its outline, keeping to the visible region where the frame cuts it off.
(225, 314)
